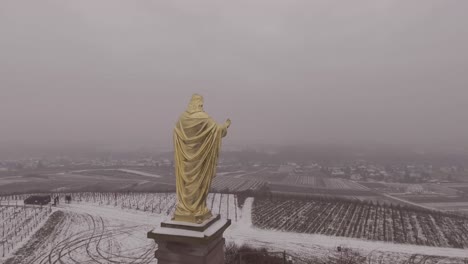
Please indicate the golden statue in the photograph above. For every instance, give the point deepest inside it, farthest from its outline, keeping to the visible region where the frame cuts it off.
(197, 141)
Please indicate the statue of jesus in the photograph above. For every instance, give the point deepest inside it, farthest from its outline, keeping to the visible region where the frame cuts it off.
(197, 142)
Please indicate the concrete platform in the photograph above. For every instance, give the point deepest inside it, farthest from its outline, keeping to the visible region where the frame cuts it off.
(184, 243)
(191, 226)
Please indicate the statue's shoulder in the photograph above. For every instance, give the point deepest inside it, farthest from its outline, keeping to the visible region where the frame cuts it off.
(197, 115)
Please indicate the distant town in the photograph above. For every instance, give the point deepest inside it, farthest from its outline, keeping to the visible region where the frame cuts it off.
(437, 185)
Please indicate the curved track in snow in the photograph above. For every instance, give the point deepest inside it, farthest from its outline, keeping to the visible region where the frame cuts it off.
(89, 238)
(92, 233)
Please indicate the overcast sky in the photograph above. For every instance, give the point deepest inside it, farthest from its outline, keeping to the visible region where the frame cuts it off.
(314, 71)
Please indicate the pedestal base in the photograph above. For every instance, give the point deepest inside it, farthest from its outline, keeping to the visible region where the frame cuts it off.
(191, 218)
(187, 243)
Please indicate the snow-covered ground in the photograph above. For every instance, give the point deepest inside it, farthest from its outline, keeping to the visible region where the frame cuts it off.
(319, 245)
(24, 222)
(249, 173)
(142, 173)
(91, 233)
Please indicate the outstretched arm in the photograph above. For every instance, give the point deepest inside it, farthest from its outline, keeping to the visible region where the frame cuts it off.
(225, 126)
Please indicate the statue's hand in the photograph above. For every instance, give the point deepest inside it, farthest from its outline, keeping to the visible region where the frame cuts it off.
(228, 122)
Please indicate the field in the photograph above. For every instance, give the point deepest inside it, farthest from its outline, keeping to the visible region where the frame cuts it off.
(322, 182)
(99, 227)
(18, 223)
(229, 184)
(407, 188)
(159, 203)
(308, 190)
(70, 182)
(362, 220)
(461, 207)
(80, 236)
(121, 180)
(87, 237)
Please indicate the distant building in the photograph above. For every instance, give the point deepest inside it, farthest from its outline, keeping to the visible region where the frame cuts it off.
(286, 169)
(338, 173)
(414, 188)
(356, 177)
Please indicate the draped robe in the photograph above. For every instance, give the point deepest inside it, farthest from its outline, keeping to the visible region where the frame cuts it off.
(197, 141)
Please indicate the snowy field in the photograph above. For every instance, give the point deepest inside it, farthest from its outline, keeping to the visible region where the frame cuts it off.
(89, 232)
(92, 234)
(141, 173)
(312, 245)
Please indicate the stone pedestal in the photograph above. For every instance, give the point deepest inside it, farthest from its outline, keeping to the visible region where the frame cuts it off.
(187, 243)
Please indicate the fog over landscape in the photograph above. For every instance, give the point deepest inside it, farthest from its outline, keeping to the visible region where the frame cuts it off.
(119, 73)
(342, 132)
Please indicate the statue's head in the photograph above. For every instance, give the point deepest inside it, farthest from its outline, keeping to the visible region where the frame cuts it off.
(196, 104)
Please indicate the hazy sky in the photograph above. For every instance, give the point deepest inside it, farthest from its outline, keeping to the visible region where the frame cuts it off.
(121, 72)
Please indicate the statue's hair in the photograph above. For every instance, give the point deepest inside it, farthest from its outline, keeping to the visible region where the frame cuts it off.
(196, 104)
